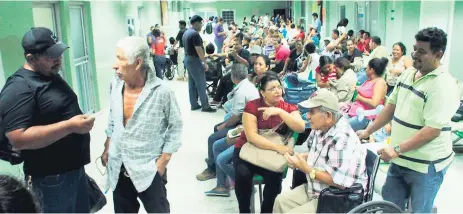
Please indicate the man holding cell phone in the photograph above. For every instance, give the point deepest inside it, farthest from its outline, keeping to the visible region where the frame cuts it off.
(41, 118)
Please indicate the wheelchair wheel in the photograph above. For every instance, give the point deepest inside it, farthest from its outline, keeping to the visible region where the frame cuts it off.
(169, 73)
(377, 207)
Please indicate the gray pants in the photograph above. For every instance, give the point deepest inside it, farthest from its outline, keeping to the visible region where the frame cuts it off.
(196, 82)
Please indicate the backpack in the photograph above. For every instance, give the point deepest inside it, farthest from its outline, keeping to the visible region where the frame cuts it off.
(7, 153)
(209, 28)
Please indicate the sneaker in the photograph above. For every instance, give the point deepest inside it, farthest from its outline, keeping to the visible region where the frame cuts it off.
(211, 110)
(205, 175)
(214, 103)
(222, 192)
(196, 108)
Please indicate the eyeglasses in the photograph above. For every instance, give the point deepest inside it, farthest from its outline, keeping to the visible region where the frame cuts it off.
(274, 88)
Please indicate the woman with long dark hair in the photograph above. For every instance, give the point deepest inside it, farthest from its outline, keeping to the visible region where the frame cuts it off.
(264, 113)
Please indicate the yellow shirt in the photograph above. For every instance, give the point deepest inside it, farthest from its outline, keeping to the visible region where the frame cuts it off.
(429, 101)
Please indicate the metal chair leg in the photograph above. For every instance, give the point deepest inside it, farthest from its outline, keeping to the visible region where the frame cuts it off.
(253, 202)
(260, 194)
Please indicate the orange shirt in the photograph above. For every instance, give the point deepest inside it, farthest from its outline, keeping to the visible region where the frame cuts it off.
(158, 46)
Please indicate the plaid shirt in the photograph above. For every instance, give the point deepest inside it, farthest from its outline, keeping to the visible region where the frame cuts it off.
(155, 128)
(339, 153)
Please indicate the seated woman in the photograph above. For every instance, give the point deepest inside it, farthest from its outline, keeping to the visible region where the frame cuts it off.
(296, 62)
(264, 113)
(261, 66)
(325, 72)
(310, 64)
(397, 64)
(370, 94)
(344, 86)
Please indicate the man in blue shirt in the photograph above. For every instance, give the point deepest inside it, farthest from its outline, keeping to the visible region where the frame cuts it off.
(317, 24)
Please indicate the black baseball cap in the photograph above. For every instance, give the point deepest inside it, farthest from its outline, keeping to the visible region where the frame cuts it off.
(196, 18)
(40, 40)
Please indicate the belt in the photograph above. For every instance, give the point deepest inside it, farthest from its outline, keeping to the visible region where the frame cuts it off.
(425, 161)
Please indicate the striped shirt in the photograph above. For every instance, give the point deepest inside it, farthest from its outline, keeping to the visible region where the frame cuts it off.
(155, 128)
(429, 101)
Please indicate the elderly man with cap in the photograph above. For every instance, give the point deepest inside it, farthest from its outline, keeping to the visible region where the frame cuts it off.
(196, 65)
(41, 118)
(335, 157)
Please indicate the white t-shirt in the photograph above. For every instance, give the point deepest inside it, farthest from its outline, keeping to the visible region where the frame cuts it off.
(342, 30)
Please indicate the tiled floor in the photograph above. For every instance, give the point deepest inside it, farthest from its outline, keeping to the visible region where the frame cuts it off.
(186, 194)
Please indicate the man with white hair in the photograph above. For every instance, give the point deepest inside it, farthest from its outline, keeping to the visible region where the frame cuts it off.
(144, 129)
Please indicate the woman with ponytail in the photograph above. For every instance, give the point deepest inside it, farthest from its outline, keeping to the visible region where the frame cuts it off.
(370, 94)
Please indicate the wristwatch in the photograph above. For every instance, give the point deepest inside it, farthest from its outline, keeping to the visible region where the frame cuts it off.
(397, 149)
(312, 173)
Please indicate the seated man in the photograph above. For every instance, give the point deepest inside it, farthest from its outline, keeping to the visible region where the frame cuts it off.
(243, 92)
(281, 54)
(236, 54)
(335, 158)
(223, 149)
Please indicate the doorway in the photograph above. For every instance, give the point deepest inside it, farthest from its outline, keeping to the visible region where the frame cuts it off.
(281, 12)
(81, 60)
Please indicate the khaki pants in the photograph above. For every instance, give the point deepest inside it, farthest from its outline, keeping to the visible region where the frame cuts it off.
(180, 57)
(297, 200)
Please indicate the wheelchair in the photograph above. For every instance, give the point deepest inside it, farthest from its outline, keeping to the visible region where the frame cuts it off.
(171, 67)
(350, 198)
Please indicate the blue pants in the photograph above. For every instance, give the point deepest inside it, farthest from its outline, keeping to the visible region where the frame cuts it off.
(63, 193)
(196, 82)
(223, 154)
(159, 65)
(402, 183)
(362, 76)
(217, 135)
(219, 45)
(358, 125)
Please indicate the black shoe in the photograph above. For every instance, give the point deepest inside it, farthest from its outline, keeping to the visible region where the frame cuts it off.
(209, 110)
(195, 108)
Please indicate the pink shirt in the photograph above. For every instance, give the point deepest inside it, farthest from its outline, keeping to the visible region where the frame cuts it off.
(282, 53)
(365, 90)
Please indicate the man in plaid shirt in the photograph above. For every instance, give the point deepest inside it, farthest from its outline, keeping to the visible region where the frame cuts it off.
(335, 157)
(144, 130)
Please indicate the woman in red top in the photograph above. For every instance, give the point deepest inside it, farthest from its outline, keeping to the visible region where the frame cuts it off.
(159, 58)
(264, 113)
(325, 71)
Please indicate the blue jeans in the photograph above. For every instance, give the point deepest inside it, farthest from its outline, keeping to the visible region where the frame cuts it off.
(402, 183)
(159, 65)
(63, 193)
(358, 125)
(217, 135)
(223, 154)
(362, 76)
(219, 45)
(196, 82)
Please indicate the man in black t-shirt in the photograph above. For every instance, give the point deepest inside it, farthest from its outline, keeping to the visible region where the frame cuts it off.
(236, 55)
(181, 51)
(352, 51)
(196, 65)
(41, 118)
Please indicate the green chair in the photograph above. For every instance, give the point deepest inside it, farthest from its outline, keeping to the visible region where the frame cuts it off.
(258, 180)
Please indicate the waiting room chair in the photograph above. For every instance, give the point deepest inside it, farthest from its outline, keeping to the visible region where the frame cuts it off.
(214, 73)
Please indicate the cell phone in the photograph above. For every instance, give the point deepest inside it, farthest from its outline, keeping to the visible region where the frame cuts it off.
(96, 114)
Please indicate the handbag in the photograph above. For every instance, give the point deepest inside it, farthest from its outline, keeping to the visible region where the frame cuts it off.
(267, 159)
(97, 200)
(334, 200)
